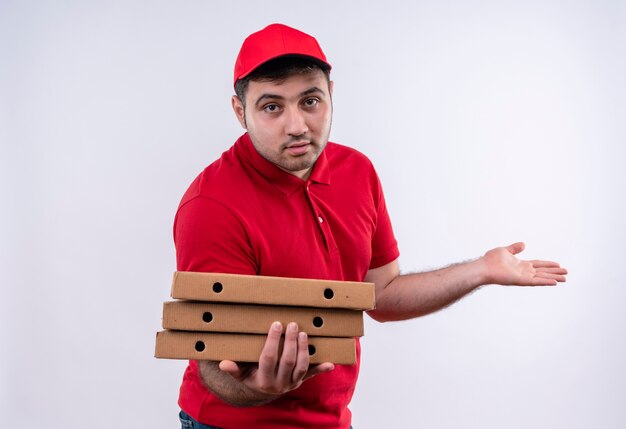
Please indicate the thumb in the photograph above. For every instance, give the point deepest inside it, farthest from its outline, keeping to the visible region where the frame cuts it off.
(231, 368)
(319, 369)
(516, 248)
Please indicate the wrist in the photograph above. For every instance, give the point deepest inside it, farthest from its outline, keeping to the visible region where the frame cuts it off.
(480, 272)
(243, 395)
(261, 398)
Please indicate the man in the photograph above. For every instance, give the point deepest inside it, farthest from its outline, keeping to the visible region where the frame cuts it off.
(283, 201)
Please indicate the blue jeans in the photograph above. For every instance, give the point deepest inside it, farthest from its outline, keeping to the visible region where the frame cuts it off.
(188, 423)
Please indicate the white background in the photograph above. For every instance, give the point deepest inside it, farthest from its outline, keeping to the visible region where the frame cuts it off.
(489, 122)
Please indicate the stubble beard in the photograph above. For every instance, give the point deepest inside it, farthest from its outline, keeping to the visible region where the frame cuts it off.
(294, 163)
(289, 163)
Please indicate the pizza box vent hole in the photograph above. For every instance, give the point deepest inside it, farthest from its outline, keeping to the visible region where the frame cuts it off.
(318, 322)
(328, 293)
(217, 287)
(207, 317)
(311, 350)
(199, 346)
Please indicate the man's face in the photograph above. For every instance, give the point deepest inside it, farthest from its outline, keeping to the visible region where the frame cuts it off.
(288, 121)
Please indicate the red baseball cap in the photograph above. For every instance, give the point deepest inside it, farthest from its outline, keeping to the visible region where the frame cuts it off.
(276, 40)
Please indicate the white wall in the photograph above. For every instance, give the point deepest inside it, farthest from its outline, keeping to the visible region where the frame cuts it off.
(489, 122)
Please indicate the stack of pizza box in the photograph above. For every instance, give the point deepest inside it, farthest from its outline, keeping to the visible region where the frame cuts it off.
(227, 316)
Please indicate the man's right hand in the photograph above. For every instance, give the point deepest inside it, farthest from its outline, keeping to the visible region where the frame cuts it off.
(278, 373)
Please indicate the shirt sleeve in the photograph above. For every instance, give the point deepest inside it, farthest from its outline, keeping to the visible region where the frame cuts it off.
(384, 243)
(210, 238)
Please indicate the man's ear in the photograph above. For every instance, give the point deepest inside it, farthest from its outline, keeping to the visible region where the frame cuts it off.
(239, 111)
(331, 84)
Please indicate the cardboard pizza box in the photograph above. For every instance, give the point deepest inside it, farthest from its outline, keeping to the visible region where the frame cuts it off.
(245, 347)
(235, 288)
(257, 319)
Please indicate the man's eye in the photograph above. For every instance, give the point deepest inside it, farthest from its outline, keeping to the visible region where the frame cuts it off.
(271, 108)
(310, 102)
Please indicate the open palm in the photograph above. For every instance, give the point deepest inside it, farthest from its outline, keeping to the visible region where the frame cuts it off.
(504, 268)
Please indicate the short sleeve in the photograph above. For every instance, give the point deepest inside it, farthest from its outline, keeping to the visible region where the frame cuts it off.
(384, 243)
(209, 238)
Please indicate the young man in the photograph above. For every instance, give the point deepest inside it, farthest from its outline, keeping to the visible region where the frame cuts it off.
(283, 201)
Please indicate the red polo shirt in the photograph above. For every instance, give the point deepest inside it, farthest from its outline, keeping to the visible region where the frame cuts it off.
(244, 215)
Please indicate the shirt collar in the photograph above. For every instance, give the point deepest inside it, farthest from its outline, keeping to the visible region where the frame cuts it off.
(285, 182)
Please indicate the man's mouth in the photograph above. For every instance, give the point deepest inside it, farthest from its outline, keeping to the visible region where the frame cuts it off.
(298, 144)
(298, 148)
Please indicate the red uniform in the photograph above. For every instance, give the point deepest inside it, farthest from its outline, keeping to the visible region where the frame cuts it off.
(244, 215)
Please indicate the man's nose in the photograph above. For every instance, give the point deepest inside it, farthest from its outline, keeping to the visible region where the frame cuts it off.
(296, 123)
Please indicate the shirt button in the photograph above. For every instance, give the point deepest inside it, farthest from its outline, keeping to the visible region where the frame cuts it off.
(320, 219)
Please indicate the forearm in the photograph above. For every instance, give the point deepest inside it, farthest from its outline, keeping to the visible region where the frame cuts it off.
(413, 295)
(229, 389)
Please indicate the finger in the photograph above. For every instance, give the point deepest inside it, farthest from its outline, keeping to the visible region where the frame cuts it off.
(545, 264)
(557, 277)
(231, 368)
(319, 369)
(269, 355)
(516, 248)
(302, 363)
(539, 281)
(558, 270)
(289, 355)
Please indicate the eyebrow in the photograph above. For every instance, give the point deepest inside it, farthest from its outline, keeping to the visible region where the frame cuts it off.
(309, 91)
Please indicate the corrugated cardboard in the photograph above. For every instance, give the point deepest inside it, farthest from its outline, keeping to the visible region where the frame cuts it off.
(272, 290)
(245, 347)
(257, 319)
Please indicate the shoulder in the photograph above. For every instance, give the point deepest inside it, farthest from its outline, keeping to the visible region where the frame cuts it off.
(349, 162)
(337, 152)
(217, 180)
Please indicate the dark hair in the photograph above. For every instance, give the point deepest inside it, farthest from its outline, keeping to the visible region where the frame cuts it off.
(280, 69)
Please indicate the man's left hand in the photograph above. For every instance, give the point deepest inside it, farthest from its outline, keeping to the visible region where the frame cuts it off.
(504, 268)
